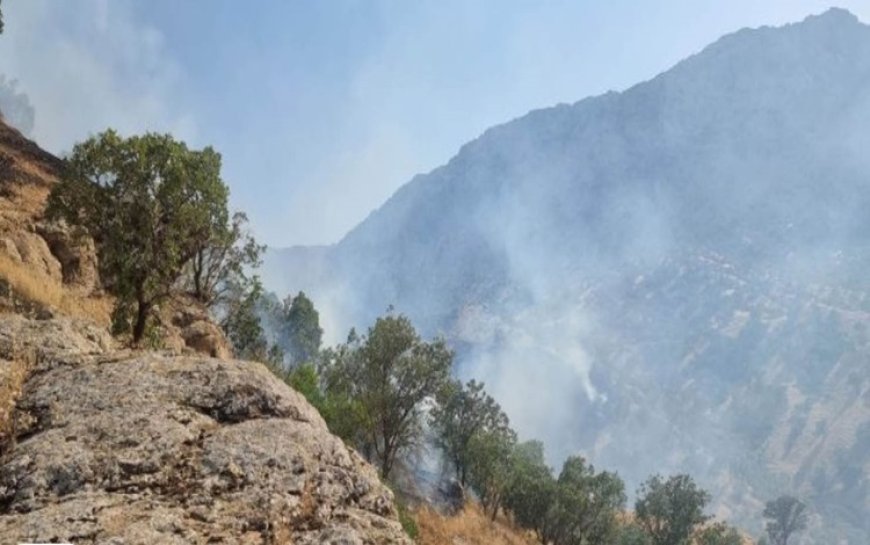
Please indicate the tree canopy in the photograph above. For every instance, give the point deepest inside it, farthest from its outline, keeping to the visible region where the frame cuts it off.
(222, 264)
(461, 413)
(585, 506)
(670, 510)
(786, 515)
(151, 204)
(241, 324)
(387, 375)
(302, 329)
(718, 534)
(531, 488)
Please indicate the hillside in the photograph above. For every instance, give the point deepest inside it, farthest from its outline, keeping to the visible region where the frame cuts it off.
(703, 232)
(100, 443)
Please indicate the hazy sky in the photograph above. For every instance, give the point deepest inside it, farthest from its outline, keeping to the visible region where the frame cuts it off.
(323, 108)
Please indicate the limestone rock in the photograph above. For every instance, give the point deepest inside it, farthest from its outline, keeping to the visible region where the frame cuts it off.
(205, 337)
(34, 252)
(77, 256)
(141, 448)
(190, 327)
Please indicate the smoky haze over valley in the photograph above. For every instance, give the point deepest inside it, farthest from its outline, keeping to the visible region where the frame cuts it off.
(671, 278)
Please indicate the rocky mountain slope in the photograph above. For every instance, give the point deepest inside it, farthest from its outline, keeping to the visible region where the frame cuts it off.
(669, 278)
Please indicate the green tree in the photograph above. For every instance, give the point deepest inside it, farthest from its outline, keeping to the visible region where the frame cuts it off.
(241, 324)
(531, 487)
(1, 20)
(462, 412)
(343, 413)
(150, 204)
(631, 534)
(386, 376)
(786, 515)
(303, 331)
(490, 469)
(586, 505)
(222, 262)
(295, 324)
(718, 534)
(305, 380)
(670, 510)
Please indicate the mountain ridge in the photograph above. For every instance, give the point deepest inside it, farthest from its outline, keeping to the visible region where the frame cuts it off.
(702, 231)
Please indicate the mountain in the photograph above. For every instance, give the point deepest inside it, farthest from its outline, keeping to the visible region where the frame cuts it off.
(669, 278)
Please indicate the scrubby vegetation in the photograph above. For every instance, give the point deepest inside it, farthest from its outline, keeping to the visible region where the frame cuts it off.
(381, 390)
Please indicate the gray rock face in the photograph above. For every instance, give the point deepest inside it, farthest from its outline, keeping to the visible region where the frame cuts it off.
(119, 447)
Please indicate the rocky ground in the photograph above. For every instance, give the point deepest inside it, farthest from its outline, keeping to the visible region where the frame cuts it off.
(113, 446)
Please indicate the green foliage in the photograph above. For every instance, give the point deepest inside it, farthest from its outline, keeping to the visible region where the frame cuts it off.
(786, 515)
(718, 534)
(150, 204)
(407, 520)
(586, 505)
(1, 21)
(222, 262)
(531, 488)
(295, 324)
(631, 534)
(304, 379)
(490, 469)
(670, 510)
(461, 413)
(241, 323)
(303, 331)
(384, 378)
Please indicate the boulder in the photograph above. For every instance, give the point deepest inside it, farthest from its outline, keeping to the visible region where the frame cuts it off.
(77, 256)
(190, 328)
(33, 251)
(141, 448)
(205, 337)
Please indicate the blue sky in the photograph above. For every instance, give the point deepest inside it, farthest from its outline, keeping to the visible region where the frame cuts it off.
(322, 109)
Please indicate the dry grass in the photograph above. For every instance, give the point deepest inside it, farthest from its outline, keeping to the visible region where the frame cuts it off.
(470, 527)
(42, 290)
(12, 377)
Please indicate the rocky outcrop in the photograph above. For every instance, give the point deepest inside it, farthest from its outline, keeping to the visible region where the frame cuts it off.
(141, 448)
(76, 256)
(28, 248)
(187, 326)
(48, 250)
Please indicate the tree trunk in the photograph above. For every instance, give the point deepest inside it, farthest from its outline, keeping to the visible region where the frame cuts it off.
(142, 311)
(386, 461)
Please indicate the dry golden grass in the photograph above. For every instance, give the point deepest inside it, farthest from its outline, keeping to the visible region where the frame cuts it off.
(470, 527)
(12, 377)
(40, 289)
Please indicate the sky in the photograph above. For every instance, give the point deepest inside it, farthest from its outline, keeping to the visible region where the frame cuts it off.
(322, 109)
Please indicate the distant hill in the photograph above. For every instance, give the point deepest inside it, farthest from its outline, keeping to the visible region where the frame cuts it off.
(670, 278)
